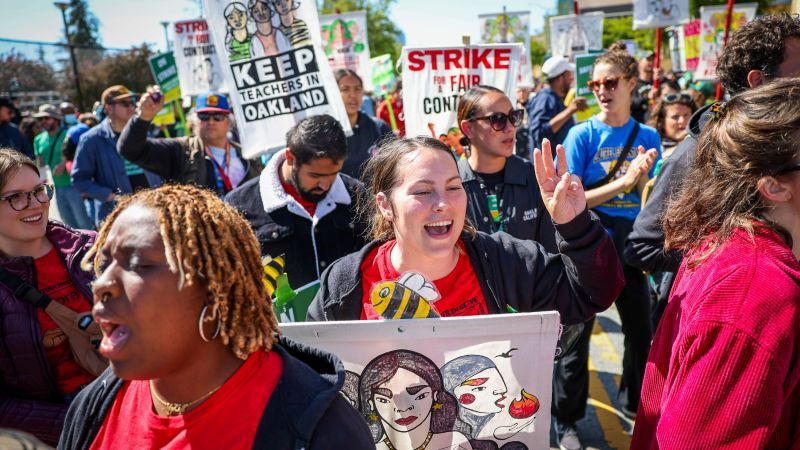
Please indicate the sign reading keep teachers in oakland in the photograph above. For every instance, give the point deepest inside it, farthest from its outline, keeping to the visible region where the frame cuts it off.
(275, 69)
(199, 68)
(434, 78)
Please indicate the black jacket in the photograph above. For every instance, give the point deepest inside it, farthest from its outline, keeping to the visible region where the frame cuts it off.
(644, 248)
(521, 204)
(580, 282)
(305, 410)
(178, 160)
(307, 248)
(360, 146)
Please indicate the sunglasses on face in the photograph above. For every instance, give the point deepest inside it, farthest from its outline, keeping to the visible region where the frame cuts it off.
(499, 120)
(610, 83)
(22, 200)
(790, 168)
(681, 97)
(125, 103)
(205, 117)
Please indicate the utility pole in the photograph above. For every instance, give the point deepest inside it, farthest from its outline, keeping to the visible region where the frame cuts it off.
(63, 7)
(165, 24)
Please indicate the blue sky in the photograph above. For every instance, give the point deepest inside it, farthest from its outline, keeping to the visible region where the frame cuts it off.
(124, 23)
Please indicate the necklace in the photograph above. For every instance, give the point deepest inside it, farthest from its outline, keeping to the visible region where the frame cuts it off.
(174, 409)
(421, 447)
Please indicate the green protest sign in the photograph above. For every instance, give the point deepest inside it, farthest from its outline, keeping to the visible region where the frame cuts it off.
(166, 74)
(383, 76)
(583, 73)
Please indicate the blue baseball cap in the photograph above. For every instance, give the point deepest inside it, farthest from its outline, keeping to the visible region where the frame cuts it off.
(213, 102)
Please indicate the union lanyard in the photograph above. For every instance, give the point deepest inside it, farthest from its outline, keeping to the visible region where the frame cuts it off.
(226, 181)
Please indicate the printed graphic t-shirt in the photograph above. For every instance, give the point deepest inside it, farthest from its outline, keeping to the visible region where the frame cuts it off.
(52, 278)
(460, 291)
(228, 419)
(592, 150)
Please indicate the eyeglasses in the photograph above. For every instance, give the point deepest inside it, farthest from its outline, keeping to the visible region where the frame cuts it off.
(125, 103)
(499, 120)
(610, 83)
(20, 201)
(681, 97)
(205, 117)
(790, 168)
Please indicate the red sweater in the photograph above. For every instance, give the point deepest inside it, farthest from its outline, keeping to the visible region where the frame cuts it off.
(724, 366)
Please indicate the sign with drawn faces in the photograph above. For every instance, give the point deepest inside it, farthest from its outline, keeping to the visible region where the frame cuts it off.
(446, 383)
(503, 28)
(344, 38)
(659, 13)
(572, 35)
(196, 57)
(274, 66)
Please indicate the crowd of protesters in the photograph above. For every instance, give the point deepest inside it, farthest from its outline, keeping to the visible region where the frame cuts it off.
(682, 211)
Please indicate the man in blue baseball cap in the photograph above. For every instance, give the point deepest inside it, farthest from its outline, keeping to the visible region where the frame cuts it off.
(208, 159)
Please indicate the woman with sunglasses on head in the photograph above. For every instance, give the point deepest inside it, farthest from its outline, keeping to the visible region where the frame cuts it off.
(416, 207)
(608, 153)
(209, 159)
(39, 373)
(722, 372)
(670, 118)
(501, 187)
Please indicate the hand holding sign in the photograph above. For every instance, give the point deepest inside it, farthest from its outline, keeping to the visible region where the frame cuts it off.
(562, 192)
(150, 104)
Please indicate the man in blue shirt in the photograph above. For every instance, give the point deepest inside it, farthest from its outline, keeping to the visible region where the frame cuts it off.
(547, 115)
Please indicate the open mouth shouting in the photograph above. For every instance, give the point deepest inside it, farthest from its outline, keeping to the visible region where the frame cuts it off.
(115, 336)
(439, 229)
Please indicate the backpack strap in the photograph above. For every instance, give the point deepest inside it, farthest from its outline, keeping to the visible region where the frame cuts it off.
(23, 290)
(620, 159)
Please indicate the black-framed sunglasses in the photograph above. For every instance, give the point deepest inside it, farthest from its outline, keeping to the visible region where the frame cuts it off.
(790, 168)
(205, 117)
(126, 103)
(499, 120)
(20, 201)
(680, 97)
(610, 83)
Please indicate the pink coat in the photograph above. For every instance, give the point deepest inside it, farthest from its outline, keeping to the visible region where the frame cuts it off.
(724, 366)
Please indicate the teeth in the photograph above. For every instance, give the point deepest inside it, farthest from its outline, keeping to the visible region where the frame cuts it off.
(441, 223)
(32, 219)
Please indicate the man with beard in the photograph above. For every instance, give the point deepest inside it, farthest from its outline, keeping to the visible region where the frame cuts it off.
(301, 207)
(209, 160)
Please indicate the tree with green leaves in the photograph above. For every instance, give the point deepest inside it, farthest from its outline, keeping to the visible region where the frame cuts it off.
(383, 34)
(18, 73)
(621, 28)
(83, 25)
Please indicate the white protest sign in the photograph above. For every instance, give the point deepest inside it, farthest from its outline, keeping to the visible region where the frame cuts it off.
(344, 38)
(572, 35)
(275, 68)
(510, 27)
(199, 69)
(659, 13)
(467, 382)
(712, 35)
(435, 77)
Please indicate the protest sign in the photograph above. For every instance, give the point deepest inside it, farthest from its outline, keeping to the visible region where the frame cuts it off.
(435, 77)
(572, 35)
(510, 27)
(712, 35)
(691, 45)
(383, 77)
(344, 38)
(583, 73)
(275, 69)
(659, 13)
(199, 68)
(165, 73)
(466, 382)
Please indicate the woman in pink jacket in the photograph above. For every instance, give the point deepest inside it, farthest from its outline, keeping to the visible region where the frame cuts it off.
(724, 368)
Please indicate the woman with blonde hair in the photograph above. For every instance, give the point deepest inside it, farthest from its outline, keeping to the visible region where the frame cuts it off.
(722, 371)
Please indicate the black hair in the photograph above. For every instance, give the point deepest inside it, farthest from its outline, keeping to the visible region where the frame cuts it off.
(341, 73)
(317, 137)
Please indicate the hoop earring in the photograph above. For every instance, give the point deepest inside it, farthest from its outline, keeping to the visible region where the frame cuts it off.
(200, 326)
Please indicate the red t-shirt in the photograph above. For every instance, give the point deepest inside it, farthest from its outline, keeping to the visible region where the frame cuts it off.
(460, 291)
(311, 207)
(52, 278)
(228, 419)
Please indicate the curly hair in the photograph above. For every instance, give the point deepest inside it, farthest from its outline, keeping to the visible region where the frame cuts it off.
(659, 116)
(618, 56)
(208, 242)
(753, 136)
(759, 45)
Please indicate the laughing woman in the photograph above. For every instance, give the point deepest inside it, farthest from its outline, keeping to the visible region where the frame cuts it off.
(192, 340)
(416, 205)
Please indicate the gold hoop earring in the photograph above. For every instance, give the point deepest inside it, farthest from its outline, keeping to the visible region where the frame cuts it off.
(200, 325)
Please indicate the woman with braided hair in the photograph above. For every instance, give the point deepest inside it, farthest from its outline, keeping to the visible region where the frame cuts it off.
(196, 360)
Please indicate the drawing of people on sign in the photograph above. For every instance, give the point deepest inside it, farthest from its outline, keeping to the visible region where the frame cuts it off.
(406, 406)
(237, 38)
(341, 37)
(295, 29)
(267, 40)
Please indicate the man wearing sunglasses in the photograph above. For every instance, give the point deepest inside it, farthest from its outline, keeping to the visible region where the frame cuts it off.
(98, 171)
(209, 159)
(548, 118)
